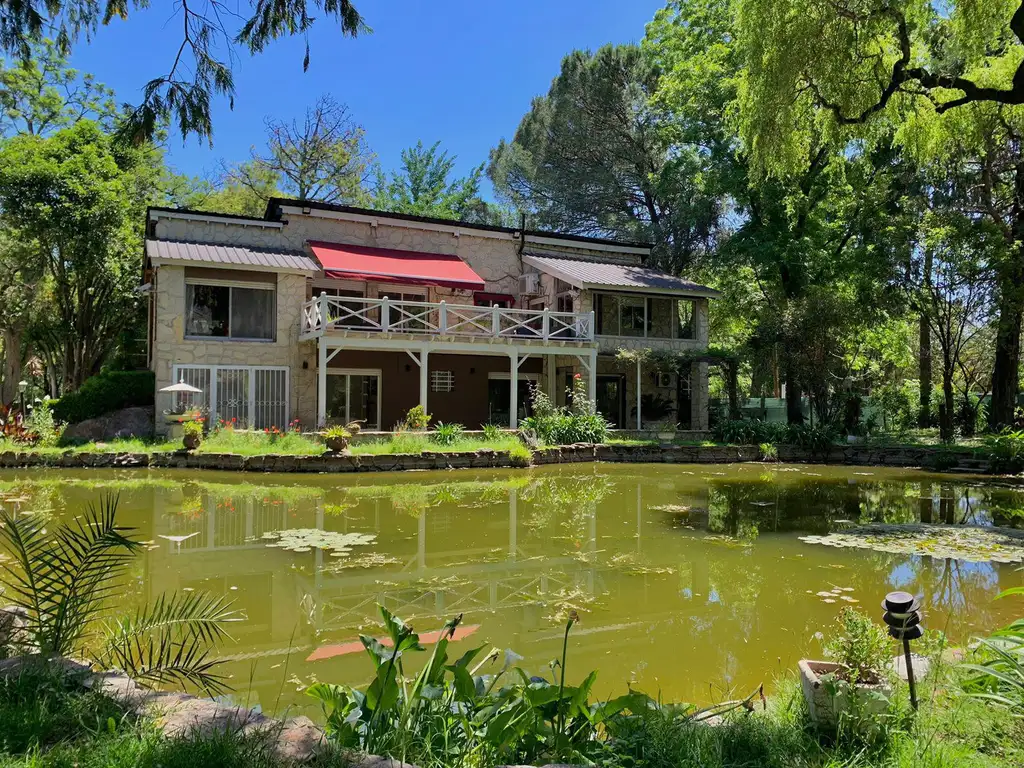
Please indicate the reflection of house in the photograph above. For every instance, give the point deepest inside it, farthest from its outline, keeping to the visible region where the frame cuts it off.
(321, 312)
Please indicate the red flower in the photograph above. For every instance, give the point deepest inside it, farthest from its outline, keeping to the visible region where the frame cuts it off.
(577, 376)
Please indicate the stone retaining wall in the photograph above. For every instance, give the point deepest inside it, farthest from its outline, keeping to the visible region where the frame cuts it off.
(902, 456)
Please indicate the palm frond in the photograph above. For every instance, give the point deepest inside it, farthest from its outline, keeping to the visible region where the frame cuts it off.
(156, 658)
(191, 614)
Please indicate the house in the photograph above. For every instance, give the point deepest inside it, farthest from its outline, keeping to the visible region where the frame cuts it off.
(326, 313)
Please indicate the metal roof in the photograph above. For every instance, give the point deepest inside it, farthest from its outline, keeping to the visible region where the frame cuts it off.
(594, 274)
(237, 256)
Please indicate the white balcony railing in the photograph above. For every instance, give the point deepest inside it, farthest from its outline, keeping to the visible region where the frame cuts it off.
(328, 313)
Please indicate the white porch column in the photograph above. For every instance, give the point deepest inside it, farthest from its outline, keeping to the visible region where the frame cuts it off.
(592, 383)
(513, 397)
(321, 383)
(424, 379)
(552, 371)
(639, 381)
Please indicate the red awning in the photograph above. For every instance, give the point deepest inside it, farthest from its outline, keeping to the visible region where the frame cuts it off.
(385, 265)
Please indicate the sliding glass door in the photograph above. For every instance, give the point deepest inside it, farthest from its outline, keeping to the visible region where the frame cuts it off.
(354, 395)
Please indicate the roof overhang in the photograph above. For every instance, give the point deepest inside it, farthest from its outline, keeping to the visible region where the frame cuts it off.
(220, 256)
(566, 274)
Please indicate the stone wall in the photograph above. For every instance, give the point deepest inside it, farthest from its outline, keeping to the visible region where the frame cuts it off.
(900, 456)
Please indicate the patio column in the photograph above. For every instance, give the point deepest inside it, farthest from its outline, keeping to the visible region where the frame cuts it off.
(321, 383)
(592, 383)
(639, 381)
(513, 397)
(424, 379)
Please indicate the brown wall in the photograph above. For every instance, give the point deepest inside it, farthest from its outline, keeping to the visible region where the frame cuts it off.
(400, 384)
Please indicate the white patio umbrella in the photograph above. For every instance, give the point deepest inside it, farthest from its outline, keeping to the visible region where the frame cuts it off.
(181, 388)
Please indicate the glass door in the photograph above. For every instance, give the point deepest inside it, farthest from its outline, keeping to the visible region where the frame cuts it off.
(354, 396)
(611, 399)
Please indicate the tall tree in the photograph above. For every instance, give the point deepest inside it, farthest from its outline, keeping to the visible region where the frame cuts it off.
(203, 64)
(592, 157)
(323, 157)
(74, 201)
(943, 70)
(424, 186)
(244, 189)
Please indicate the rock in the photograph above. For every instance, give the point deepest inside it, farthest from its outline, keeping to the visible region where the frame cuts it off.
(922, 666)
(361, 760)
(128, 422)
(14, 636)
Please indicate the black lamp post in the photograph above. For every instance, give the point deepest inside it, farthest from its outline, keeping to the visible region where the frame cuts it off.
(22, 387)
(903, 617)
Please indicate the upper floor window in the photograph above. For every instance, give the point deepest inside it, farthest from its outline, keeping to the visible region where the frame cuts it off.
(246, 312)
(644, 317)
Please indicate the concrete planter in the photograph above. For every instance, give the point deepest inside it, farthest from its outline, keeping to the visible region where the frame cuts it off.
(829, 699)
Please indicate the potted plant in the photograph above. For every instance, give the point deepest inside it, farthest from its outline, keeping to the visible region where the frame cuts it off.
(336, 438)
(854, 683)
(192, 434)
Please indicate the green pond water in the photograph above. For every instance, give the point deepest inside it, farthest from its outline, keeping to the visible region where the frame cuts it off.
(690, 581)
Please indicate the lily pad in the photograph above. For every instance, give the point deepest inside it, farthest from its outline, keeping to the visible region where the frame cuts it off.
(305, 539)
(979, 544)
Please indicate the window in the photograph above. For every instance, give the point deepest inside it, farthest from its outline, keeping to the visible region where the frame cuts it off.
(354, 395)
(347, 313)
(490, 299)
(227, 311)
(638, 316)
(442, 381)
(255, 396)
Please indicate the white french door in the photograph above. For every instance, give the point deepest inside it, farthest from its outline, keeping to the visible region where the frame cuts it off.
(256, 397)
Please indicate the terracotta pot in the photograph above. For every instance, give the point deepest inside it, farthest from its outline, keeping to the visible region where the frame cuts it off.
(827, 700)
(191, 442)
(336, 444)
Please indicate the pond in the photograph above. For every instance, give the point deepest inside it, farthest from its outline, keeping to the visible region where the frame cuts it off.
(690, 581)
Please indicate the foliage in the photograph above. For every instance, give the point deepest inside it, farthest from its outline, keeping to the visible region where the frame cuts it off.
(416, 418)
(862, 647)
(1005, 452)
(258, 442)
(578, 423)
(654, 407)
(492, 432)
(446, 434)
(66, 580)
(105, 392)
(192, 432)
(898, 404)
(12, 425)
(448, 714)
(755, 432)
(592, 157)
(998, 677)
(243, 189)
(41, 427)
(423, 186)
(768, 451)
(336, 432)
(75, 199)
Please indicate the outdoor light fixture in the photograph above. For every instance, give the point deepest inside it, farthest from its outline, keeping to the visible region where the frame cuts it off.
(22, 386)
(903, 617)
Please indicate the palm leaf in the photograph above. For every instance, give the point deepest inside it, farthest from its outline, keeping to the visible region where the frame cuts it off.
(194, 614)
(24, 539)
(160, 659)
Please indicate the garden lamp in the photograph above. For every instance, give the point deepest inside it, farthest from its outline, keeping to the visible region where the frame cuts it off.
(903, 617)
(22, 387)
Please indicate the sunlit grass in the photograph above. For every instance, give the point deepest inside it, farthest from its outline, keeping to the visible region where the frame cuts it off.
(259, 443)
(406, 442)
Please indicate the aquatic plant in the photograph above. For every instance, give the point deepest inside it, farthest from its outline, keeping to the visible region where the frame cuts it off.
(306, 539)
(65, 582)
(961, 542)
(998, 677)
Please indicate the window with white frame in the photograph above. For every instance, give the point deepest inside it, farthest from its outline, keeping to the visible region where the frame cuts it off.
(230, 310)
(354, 395)
(644, 316)
(442, 381)
(253, 396)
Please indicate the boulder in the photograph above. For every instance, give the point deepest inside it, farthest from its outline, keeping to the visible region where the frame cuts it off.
(128, 422)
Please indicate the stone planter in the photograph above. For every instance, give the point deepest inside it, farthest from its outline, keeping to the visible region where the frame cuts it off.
(828, 699)
(191, 442)
(336, 444)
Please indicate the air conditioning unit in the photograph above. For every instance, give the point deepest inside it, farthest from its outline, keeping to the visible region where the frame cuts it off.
(529, 284)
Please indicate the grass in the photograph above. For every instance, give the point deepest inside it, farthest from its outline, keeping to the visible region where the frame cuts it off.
(256, 443)
(49, 722)
(408, 442)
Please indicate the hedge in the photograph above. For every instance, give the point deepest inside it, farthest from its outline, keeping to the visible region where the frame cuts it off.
(105, 392)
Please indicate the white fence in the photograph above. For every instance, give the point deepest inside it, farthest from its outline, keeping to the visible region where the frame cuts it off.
(442, 319)
(256, 397)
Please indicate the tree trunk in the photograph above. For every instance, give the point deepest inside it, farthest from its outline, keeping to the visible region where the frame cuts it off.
(1007, 358)
(732, 386)
(12, 366)
(946, 422)
(794, 397)
(924, 373)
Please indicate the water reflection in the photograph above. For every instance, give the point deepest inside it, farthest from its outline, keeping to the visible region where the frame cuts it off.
(688, 579)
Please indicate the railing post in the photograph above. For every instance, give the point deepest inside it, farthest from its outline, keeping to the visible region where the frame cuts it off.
(322, 310)
(592, 331)
(545, 324)
(442, 320)
(495, 320)
(385, 314)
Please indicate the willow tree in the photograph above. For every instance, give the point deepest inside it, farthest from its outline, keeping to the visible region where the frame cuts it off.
(948, 73)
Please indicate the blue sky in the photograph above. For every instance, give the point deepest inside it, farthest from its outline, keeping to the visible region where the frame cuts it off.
(459, 71)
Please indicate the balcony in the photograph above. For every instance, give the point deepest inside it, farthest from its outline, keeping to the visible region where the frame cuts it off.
(358, 316)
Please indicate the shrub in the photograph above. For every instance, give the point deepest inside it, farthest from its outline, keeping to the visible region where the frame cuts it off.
(768, 452)
(105, 392)
(41, 426)
(999, 675)
(898, 404)
(1005, 452)
(756, 432)
(492, 432)
(580, 423)
(862, 646)
(336, 432)
(416, 418)
(192, 433)
(446, 434)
